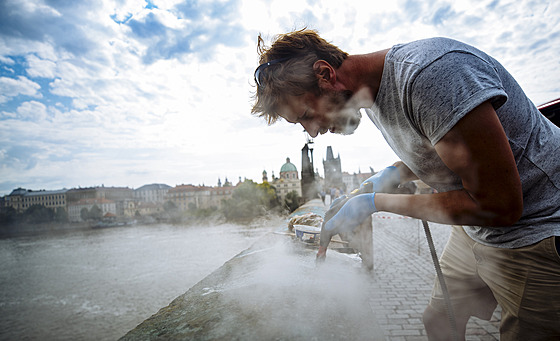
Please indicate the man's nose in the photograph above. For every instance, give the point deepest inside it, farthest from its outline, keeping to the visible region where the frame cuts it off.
(311, 128)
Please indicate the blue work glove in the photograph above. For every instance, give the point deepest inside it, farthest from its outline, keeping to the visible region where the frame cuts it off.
(338, 200)
(352, 214)
(385, 180)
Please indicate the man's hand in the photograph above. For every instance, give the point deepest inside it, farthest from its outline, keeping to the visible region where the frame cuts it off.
(385, 180)
(352, 214)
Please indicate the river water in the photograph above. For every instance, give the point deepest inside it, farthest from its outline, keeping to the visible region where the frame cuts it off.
(99, 284)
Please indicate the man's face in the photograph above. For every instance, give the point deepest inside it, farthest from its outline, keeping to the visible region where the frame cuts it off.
(319, 114)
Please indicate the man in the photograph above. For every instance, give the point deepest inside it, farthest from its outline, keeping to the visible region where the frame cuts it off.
(458, 121)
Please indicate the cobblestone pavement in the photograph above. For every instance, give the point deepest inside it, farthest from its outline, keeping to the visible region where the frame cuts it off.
(403, 276)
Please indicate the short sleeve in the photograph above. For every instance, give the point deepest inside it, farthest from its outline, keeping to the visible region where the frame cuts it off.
(449, 88)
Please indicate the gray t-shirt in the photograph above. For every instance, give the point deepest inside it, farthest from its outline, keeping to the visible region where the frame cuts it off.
(427, 87)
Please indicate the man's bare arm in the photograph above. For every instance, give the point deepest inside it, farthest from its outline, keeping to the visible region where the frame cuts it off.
(478, 151)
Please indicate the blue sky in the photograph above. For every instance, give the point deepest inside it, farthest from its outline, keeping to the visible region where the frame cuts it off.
(126, 93)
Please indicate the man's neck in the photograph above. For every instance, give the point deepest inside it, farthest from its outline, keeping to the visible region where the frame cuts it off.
(363, 71)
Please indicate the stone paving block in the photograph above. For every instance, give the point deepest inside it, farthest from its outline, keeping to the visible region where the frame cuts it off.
(391, 327)
(405, 332)
(397, 321)
(416, 338)
(403, 277)
(396, 338)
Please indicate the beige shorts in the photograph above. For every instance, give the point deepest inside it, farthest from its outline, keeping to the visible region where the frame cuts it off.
(524, 281)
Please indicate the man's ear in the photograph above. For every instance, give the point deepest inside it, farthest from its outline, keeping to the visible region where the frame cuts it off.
(325, 73)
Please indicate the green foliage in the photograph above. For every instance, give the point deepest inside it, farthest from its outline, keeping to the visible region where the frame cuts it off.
(197, 215)
(8, 217)
(268, 195)
(250, 200)
(169, 206)
(95, 213)
(37, 214)
(60, 215)
(84, 214)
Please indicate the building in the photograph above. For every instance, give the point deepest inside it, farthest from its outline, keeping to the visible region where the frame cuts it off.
(310, 186)
(15, 199)
(333, 172)
(154, 193)
(353, 181)
(107, 207)
(288, 181)
(198, 197)
(120, 195)
(21, 199)
(134, 208)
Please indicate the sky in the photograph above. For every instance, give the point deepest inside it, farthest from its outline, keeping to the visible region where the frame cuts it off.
(132, 92)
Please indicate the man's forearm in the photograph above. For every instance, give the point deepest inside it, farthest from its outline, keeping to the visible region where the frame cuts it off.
(325, 237)
(454, 207)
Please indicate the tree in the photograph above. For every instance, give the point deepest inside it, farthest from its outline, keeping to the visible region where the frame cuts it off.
(292, 201)
(95, 213)
(9, 217)
(169, 206)
(249, 200)
(60, 215)
(36, 214)
(84, 214)
(268, 197)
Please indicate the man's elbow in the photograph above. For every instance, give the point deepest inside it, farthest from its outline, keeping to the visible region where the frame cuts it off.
(507, 213)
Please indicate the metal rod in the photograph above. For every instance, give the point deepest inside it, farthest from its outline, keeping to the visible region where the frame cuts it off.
(441, 279)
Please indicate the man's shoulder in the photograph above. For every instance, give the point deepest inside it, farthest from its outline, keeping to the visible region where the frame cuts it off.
(418, 55)
(429, 49)
(435, 43)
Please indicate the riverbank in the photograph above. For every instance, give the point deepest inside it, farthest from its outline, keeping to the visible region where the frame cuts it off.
(22, 230)
(38, 229)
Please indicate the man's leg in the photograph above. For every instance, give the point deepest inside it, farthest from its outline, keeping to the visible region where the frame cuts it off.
(526, 283)
(438, 326)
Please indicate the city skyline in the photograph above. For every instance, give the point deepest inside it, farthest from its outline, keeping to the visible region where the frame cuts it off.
(233, 181)
(160, 91)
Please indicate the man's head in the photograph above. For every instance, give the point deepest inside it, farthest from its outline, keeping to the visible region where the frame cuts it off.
(295, 80)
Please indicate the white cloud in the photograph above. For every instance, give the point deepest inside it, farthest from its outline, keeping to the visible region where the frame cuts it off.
(32, 111)
(173, 84)
(12, 87)
(36, 7)
(40, 67)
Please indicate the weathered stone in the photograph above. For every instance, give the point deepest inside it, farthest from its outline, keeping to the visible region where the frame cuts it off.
(271, 291)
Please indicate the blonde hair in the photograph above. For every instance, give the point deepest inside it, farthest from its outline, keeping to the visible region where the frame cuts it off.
(293, 76)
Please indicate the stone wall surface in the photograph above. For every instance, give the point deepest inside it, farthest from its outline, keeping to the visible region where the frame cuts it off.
(272, 291)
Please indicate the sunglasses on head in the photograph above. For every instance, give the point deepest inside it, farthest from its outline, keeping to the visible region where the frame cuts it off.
(263, 66)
